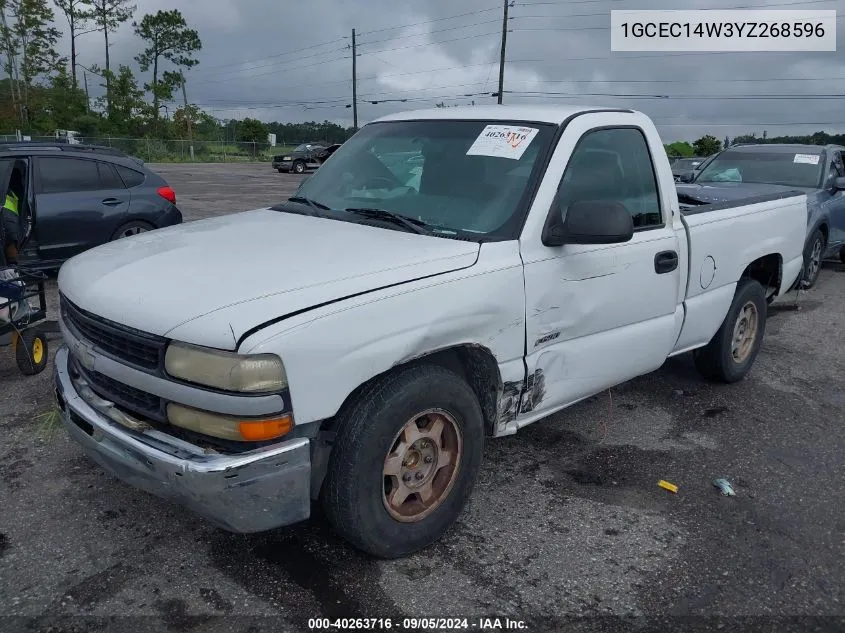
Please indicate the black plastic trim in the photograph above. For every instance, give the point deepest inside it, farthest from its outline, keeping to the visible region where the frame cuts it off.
(741, 202)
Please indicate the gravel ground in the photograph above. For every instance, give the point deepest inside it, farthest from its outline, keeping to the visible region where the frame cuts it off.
(567, 524)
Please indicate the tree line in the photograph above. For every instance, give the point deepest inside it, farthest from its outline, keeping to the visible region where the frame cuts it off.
(42, 91)
(708, 144)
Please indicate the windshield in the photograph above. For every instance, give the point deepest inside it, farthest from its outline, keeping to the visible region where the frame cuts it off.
(301, 148)
(773, 168)
(455, 176)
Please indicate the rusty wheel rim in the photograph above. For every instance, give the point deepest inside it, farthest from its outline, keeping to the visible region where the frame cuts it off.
(745, 331)
(421, 466)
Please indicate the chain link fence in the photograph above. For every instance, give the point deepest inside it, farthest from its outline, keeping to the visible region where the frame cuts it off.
(154, 150)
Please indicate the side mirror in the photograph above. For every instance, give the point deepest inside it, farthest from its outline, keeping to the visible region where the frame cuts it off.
(686, 177)
(590, 222)
(839, 183)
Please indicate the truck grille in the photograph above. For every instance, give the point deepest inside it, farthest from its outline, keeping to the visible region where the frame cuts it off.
(140, 403)
(126, 344)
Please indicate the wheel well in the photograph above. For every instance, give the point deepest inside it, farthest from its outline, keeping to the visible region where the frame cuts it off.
(825, 231)
(766, 270)
(474, 363)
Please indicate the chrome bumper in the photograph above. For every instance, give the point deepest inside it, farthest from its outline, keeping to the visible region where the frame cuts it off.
(249, 492)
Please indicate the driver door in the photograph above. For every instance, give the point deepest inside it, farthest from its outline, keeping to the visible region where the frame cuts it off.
(600, 314)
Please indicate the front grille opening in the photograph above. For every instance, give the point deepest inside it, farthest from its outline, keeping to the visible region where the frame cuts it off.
(124, 343)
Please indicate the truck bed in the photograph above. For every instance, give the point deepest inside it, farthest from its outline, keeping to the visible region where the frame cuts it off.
(723, 238)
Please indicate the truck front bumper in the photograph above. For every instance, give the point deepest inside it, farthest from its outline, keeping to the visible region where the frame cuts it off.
(248, 492)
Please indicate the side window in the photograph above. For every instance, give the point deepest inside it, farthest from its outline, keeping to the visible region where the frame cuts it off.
(131, 178)
(63, 175)
(614, 164)
(108, 177)
(837, 168)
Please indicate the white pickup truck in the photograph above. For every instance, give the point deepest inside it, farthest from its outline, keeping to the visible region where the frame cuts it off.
(448, 276)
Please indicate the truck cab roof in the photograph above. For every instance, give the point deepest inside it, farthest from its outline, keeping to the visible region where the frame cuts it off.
(555, 114)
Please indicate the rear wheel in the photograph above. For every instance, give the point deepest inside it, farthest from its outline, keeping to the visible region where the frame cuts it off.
(131, 228)
(813, 252)
(406, 459)
(729, 355)
(842, 254)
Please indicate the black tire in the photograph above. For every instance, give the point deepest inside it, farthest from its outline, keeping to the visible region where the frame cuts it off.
(31, 352)
(131, 228)
(813, 254)
(298, 167)
(842, 254)
(354, 494)
(716, 360)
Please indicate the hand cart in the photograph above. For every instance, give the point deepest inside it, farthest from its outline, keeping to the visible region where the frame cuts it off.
(23, 321)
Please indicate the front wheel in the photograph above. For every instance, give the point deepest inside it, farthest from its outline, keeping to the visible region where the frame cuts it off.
(813, 260)
(729, 355)
(406, 459)
(299, 167)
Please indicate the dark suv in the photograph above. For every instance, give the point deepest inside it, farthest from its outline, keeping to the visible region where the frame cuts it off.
(72, 198)
(307, 155)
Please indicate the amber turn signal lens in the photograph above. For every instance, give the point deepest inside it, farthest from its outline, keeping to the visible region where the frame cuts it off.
(265, 429)
(228, 427)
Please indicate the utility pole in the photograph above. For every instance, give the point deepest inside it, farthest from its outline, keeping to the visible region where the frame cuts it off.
(187, 116)
(87, 96)
(502, 55)
(354, 84)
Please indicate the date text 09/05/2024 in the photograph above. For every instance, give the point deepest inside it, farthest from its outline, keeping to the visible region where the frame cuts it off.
(435, 624)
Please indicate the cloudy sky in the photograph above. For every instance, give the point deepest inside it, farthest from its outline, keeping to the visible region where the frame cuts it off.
(290, 61)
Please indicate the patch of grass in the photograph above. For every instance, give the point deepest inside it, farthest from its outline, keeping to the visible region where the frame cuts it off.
(49, 422)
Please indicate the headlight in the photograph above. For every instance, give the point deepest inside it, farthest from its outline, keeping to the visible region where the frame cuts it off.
(227, 427)
(286, 158)
(253, 373)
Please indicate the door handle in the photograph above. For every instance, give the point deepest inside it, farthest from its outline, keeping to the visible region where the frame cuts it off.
(665, 262)
(112, 201)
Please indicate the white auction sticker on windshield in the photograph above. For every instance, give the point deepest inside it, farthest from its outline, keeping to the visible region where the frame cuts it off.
(807, 159)
(504, 141)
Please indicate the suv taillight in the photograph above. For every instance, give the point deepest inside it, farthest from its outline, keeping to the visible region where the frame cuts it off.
(168, 194)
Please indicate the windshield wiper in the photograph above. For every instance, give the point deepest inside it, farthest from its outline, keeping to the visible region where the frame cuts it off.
(410, 224)
(311, 203)
(315, 208)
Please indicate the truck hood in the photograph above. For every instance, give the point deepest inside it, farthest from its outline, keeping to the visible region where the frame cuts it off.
(253, 267)
(710, 193)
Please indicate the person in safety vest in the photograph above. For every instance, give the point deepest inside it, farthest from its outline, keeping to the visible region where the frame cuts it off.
(11, 223)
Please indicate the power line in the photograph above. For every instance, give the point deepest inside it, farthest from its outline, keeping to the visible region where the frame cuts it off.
(550, 94)
(272, 72)
(457, 39)
(240, 70)
(453, 28)
(291, 52)
(532, 4)
(672, 81)
(655, 56)
(451, 17)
